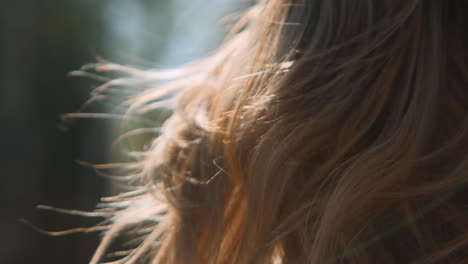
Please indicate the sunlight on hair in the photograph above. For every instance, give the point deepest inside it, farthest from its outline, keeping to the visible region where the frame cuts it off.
(318, 132)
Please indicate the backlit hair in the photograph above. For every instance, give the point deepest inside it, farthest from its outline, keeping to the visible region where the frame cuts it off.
(321, 131)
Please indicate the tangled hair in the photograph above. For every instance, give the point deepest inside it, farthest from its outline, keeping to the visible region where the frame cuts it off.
(322, 131)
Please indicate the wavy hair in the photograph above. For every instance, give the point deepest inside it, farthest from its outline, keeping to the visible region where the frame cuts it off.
(321, 131)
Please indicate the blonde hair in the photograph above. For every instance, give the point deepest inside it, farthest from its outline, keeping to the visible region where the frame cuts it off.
(322, 131)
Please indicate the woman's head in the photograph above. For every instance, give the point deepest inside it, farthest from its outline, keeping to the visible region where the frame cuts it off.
(321, 132)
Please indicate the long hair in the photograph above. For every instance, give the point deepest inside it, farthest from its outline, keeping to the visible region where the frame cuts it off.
(321, 131)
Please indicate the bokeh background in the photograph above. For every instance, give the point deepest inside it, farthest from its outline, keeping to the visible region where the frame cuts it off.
(43, 40)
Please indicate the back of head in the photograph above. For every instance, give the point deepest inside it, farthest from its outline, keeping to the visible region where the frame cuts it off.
(322, 131)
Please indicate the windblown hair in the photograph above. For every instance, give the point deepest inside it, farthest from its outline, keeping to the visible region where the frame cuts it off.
(321, 131)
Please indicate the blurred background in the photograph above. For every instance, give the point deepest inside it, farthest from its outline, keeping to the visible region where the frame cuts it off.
(43, 40)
